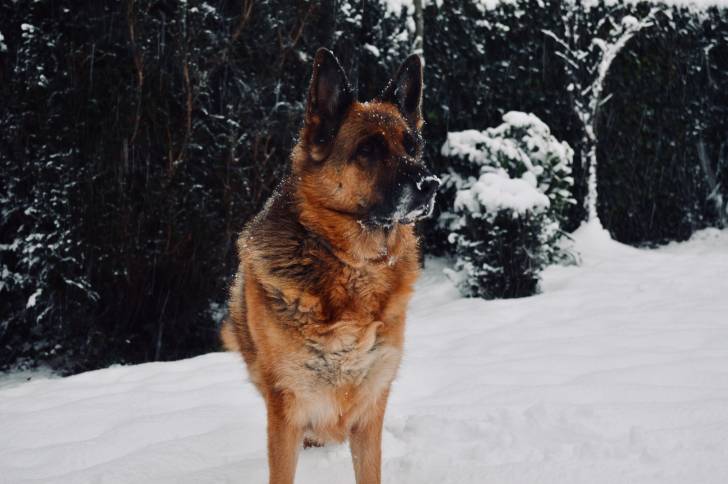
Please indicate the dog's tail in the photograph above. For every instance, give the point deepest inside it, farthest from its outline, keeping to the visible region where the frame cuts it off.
(230, 331)
(228, 336)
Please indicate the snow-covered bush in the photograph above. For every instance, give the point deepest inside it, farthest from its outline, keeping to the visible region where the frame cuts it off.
(525, 148)
(509, 198)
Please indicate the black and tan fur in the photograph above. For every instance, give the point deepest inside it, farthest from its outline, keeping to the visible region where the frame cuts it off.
(326, 270)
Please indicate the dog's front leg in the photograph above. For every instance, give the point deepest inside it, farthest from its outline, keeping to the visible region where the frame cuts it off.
(366, 444)
(284, 441)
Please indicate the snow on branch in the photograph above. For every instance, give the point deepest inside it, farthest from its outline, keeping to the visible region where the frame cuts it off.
(587, 69)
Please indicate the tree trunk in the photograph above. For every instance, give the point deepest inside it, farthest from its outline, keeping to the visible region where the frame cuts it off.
(589, 155)
(419, 42)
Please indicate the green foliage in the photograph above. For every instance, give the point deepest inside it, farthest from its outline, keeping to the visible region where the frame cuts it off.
(483, 63)
(138, 138)
(663, 134)
(666, 98)
(502, 256)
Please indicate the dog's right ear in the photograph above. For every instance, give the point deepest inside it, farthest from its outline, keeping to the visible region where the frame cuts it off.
(405, 90)
(329, 97)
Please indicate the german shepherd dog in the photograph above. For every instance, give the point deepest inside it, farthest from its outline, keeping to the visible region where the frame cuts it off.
(326, 271)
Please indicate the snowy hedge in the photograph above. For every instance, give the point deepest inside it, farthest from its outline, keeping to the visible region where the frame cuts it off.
(509, 198)
(137, 140)
(130, 163)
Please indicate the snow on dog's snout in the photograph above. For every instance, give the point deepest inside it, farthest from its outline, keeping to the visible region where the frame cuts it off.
(429, 178)
(417, 201)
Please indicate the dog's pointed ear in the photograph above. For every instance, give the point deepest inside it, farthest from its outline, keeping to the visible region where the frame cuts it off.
(405, 90)
(329, 97)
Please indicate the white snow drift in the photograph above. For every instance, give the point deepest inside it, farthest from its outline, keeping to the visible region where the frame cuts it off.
(618, 372)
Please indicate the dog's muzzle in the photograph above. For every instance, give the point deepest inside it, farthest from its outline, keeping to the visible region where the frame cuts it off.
(414, 201)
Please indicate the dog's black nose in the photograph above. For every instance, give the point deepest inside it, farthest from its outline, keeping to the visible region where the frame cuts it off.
(428, 185)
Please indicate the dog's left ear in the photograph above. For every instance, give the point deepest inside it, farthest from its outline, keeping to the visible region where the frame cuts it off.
(329, 97)
(405, 90)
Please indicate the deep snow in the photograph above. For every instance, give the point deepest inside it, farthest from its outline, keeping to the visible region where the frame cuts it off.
(617, 373)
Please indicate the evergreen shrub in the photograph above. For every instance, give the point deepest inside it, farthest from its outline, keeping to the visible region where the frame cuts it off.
(509, 201)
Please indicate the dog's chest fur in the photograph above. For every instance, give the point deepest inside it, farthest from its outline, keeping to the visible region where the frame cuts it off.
(343, 352)
(360, 291)
(342, 368)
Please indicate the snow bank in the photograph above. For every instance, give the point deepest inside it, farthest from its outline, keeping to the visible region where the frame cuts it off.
(618, 372)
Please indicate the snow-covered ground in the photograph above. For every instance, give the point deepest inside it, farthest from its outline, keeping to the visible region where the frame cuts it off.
(617, 373)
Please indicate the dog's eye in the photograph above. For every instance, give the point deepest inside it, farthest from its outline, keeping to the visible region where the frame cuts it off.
(372, 148)
(410, 147)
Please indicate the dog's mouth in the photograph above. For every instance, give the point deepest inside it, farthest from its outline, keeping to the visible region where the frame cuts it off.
(400, 216)
(419, 213)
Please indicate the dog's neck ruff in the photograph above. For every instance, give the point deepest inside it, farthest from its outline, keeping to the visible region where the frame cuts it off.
(345, 235)
(345, 257)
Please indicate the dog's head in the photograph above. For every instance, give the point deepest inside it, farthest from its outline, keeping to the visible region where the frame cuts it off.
(364, 160)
